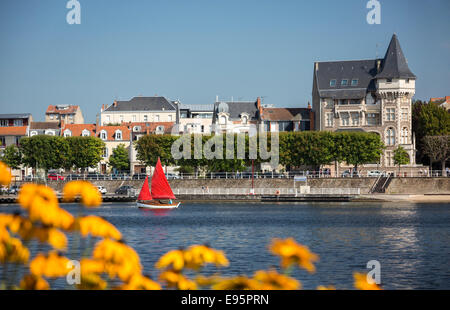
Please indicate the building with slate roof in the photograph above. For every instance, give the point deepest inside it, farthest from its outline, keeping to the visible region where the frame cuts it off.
(236, 116)
(139, 109)
(195, 118)
(368, 95)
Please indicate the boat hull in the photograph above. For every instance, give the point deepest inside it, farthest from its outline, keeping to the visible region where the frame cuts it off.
(156, 205)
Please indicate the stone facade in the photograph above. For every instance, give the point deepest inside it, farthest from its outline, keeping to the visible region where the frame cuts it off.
(370, 96)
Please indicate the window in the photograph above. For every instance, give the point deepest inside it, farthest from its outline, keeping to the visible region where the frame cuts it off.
(332, 83)
(354, 82)
(355, 119)
(372, 119)
(329, 120)
(145, 118)
(2, 141)
(404, 136)
(67, 133)
(121, 118)
(390, 114)
(103, 135)
(156, 118)
(118, 135)
(389, 159)
(33, 133)
(343, 101)
(4, 123)
(202, 128)
(390, 136)
(244, 119)
(404, 114)
(170, 118)
(51, 116)
(223, 120)
(18, 140)
(18, 122)
(108, 119)
(344, 82)
(345, 119)
(50, 132)
(355, 101)
(407, 81)
(388, 80)
(85, 133)
(105, 152)
(134, 118)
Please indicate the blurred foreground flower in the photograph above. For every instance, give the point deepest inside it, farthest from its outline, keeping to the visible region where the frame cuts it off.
(90, 196)
(97, 227)
(361, 282)
(5, 174)
(52, 265)
(292, 253)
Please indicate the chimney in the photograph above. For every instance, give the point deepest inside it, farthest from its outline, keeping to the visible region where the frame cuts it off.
(61, 123)
(378, 65)
(115, 103)
(317, 66)
(258, 106)
(309, 105)
(103, 108)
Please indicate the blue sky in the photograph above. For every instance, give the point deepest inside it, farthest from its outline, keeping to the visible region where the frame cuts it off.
(193, 50)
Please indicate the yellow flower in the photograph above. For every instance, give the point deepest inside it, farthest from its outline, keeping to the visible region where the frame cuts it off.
(98, 227)
(361, 282)
(5, 174)
(32, 282)
(207, 281)
(237, 283)
(52, 265)
(120, 259)
(92, 281)
(177, 280)
(89, 266)
(174, 258)
(198, 255)
(272, 280)
(90, 196)
(293, 253)
(139, 282)
(4, 234)
(42, 205)
(326, 288)
(13, 251)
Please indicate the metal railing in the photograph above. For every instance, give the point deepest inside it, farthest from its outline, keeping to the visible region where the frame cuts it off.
(264, 191)
(244, 175)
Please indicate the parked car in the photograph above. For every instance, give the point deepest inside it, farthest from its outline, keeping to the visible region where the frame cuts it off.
(139, 176)
(74, 177)
(348, 174)
(55, 177)
(375, 173)
(171, 176)
(124, 190)
(14, 190)
(102, 190)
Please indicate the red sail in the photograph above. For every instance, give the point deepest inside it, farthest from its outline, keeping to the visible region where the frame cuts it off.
(145, 192)
(160, 187)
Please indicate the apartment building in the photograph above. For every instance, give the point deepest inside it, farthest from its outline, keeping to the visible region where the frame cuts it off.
(69, 114)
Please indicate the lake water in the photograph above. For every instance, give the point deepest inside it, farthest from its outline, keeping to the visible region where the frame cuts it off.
(411, 241)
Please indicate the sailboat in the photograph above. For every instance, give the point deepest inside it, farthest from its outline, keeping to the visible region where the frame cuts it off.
(161, 196)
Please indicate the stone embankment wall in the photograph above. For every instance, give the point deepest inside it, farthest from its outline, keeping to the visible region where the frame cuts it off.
(397, 185)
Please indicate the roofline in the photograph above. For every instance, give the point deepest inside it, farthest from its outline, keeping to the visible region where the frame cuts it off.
(348, 60)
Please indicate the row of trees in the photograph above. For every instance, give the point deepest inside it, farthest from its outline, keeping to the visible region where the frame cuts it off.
(52, 152)
(295, 149)
(431, 125)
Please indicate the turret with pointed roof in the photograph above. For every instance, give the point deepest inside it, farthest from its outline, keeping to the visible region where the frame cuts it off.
(395, 64)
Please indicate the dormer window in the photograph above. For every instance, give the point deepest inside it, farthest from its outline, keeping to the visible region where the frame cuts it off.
(103, 135)
(332, 83)
(355, 82)
(160, 129)
(33, 133)
(67, 133)
(85, 133)
(388, 80)
(50, 132)
(344, 82)
(118, 135)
